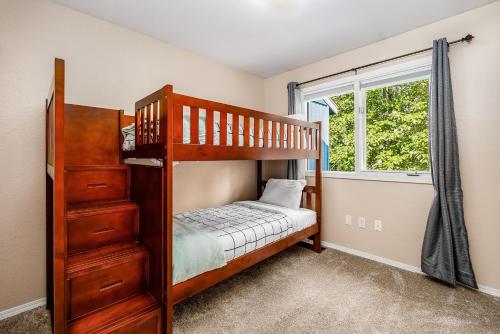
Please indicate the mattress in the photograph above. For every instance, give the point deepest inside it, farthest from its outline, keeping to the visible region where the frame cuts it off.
(237, 229)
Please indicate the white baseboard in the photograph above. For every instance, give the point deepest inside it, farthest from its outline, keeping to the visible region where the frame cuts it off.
(485, 289)
(22, 308)
(489, 290)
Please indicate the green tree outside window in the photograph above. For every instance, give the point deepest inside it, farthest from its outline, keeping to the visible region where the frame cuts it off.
(396, 129)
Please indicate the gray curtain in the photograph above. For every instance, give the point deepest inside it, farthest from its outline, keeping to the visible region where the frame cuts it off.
(293, 169)
(445, 251)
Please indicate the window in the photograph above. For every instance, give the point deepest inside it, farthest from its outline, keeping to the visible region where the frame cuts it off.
(374, 125)
(336, 112)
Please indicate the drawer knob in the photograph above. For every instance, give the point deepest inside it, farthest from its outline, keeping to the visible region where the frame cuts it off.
(110, 286)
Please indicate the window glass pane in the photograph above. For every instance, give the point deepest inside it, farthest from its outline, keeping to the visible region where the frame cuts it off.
(336, 113)
(396, 127)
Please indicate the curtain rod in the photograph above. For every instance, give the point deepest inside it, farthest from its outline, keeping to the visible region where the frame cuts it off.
(468, 38)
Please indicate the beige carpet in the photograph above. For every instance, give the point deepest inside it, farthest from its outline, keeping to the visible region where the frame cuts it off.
(299, 291)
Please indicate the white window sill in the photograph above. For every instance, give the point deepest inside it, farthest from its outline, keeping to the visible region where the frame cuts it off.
(424, 178)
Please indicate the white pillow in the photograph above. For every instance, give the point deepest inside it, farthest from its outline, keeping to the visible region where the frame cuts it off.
(286, 193)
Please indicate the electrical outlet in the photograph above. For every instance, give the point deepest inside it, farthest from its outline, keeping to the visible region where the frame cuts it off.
(377, 225)
(348, 219)
(361, 222)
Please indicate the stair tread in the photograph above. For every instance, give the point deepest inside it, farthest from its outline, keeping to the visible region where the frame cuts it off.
(104, 256)
(112, 315)
(94, 206)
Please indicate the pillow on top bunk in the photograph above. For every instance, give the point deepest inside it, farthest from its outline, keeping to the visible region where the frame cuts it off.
(286, 193)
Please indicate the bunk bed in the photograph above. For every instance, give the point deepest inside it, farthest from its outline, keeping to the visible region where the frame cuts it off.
(168, 128)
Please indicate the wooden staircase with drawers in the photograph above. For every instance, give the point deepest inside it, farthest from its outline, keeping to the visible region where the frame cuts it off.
(106, 266)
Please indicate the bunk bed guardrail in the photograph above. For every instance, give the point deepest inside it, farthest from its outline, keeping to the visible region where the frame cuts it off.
(208, 130)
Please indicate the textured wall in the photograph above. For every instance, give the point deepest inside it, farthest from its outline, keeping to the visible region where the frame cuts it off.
(403, 207)
(106, 66)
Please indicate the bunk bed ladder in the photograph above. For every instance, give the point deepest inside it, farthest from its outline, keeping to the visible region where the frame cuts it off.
(98, 270)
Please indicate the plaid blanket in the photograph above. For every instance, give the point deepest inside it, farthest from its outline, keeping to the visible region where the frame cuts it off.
(128, 133)
(241, 227)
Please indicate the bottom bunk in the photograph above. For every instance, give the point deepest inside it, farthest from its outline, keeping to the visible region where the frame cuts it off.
(200, 248)
(212, 244)
(197, 284)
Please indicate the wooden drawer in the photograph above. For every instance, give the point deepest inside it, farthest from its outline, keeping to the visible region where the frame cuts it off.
(90, 231)
(139, 314)
(147, 324)
(107, 286)
(96, 185)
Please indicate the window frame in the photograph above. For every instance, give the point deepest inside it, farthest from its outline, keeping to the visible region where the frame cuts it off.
(408, 71)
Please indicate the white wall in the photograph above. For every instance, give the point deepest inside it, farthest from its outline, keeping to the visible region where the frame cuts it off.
(106, 66)
(403, 207)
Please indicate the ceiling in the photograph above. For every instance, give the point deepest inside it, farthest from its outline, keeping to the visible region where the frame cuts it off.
(268, 37)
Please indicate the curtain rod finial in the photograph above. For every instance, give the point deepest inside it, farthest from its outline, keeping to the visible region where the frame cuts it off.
(468, 38)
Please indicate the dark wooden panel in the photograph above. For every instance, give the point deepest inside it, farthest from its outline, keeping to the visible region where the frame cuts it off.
(147, 191)
(95, 185)
(88, 231)
(152, 151)
(259, 178)
(91, 136)
(107, 286)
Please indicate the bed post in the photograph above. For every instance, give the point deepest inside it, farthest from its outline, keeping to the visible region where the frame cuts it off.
(56, 228)
(259, 178)
(167, 123)
(317, 199)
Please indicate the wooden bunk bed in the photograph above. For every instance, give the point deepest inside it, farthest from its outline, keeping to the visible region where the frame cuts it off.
(110, 224)
(159, 126)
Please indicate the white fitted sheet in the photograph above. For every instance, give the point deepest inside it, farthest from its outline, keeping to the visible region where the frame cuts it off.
(301, 218)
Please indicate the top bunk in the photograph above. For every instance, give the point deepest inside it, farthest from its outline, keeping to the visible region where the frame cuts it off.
(194, 129)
